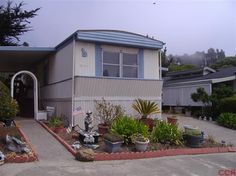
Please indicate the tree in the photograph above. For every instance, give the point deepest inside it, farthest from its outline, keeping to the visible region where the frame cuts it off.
(176, 67)
(226, 62)
(201, 96)
(14, 22)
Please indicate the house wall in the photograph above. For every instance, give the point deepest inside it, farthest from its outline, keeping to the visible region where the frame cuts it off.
(58, 90)
(180, 95)
(118, 91)
(151, 64)
(86, 66)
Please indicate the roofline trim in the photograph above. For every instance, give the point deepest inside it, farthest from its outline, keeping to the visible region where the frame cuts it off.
(20, 48)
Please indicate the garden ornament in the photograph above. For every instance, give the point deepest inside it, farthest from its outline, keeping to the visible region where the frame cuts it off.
(16, 145)
(2, 157)
(88, 122)
(76, 145)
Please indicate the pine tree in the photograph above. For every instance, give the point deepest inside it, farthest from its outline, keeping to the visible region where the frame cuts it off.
(14, 22)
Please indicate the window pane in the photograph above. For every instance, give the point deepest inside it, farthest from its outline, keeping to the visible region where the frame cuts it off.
(130, 72)
(110, 58)
(111, 70)
(130, 59)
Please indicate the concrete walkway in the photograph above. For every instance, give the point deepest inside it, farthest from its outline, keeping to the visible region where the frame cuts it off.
(210, 128)
(47, 147)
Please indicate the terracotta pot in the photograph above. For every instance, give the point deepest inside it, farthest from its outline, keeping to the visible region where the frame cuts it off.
(172, 120)
(59, 129)
(149, 122)
(102, 129)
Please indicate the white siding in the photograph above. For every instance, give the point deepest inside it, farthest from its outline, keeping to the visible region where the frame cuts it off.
(58, 90)
(85, 66)
(181, 95)
(61, 64)
(151, 64)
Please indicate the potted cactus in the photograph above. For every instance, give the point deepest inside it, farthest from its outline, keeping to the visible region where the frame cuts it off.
(113, 142)
(146, 108)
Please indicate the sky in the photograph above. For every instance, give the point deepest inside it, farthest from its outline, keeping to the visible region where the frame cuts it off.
(186, 26)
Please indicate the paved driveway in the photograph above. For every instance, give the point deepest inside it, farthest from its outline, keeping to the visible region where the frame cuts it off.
(210, 128)
(202, 165)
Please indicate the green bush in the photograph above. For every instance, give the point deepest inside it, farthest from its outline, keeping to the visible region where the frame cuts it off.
(164, 132)
(8, 106)
(127, 127)
(54, 122)
(228, 104)
(228, 120)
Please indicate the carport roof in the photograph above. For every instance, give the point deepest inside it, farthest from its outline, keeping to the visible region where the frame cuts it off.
(14, 58)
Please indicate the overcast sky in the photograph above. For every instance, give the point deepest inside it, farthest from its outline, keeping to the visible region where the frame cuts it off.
(185, 26)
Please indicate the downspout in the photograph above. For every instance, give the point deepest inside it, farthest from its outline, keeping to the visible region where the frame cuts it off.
(73, 85)
(160, 78)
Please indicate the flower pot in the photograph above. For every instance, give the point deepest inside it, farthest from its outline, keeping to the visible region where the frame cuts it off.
(172, 120)
(112, 147)
(141, 146)
(190, 129)
(59, 129)
(193, 141)
(149, 122)
(102, 129)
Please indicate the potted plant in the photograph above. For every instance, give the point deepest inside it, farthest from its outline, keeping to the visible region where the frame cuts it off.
(146, 108)
(8, 106)
(113, 142)
(141, 142)
(193, 138)
(172, 120)
(107, 113)
(56, 124)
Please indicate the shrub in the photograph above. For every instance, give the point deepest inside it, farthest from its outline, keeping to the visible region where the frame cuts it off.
(228, 104)
(228, 120)
(107, 112)
(8, 106)
(127, 127)
(54, 122)
(145, 107)
(164, 132)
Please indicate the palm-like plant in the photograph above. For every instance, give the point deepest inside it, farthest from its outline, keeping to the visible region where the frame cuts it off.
(145, 107)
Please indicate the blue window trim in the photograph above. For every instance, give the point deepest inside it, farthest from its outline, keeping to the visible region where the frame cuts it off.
(98, 60)
(140, 64)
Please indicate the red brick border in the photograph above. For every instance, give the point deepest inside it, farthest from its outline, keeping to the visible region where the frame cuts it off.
(148, 154)
(22, 158)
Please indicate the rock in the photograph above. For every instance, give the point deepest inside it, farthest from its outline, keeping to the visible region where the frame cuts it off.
(85, 155)
(16, 145)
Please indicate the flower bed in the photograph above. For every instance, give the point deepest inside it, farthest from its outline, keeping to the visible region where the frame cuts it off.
(12, 157)
(154, 149)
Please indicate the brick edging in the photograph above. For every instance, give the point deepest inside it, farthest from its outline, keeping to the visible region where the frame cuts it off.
(64, 143)
(23, 158)
(148, 154)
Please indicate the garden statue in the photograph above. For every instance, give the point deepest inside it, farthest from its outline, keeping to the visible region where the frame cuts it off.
(88, 122)
(2, 157)
(88, 135)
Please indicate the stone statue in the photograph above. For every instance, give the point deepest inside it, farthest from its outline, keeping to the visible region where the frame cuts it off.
(88, 122)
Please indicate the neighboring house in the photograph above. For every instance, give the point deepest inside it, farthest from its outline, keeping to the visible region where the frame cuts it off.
(90, 65)
(178, 86)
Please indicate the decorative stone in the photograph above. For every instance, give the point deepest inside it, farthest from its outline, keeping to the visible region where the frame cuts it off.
(16, 145)
(85, 155)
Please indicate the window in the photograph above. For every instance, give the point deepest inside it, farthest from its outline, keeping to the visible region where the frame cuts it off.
(120, 64)
(130, 65)
(111, 64)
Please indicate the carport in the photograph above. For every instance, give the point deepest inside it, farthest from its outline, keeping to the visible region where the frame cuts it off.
(18, 61)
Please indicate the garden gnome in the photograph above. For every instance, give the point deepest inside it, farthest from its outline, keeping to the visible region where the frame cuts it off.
(88, 122)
